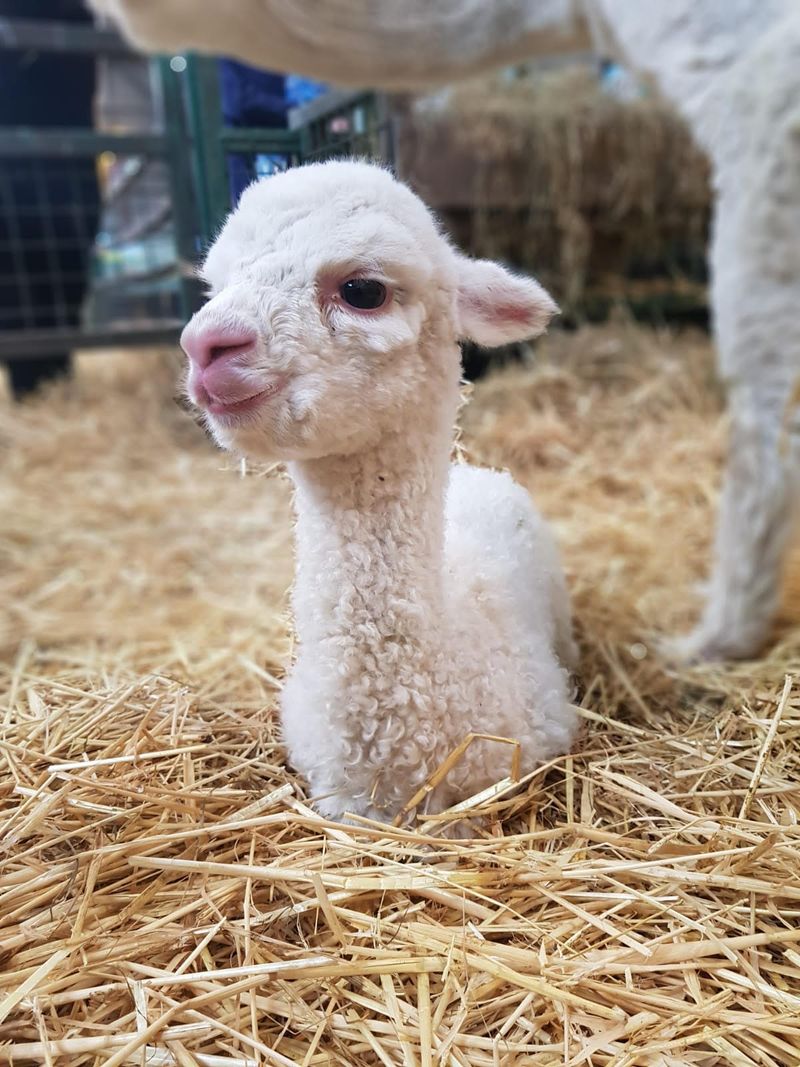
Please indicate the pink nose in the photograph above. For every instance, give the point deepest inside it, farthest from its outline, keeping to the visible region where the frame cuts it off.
(205, 344)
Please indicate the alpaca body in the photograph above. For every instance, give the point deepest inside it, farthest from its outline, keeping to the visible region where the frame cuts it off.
(421, 617)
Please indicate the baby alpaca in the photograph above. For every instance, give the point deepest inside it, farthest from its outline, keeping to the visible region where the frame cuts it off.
(429, 599)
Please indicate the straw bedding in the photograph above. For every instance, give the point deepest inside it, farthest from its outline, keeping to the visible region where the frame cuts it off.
(168, 896)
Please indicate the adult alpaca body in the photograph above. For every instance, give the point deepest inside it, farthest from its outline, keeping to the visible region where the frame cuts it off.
(429, 600)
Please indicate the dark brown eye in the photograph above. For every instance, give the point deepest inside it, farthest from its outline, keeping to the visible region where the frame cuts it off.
(366, 294)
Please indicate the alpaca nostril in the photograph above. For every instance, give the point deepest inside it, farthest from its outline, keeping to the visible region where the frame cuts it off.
(208, 344)
(222, 351)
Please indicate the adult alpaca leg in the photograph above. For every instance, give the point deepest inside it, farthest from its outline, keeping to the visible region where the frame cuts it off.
(754, 524)
(755, 261)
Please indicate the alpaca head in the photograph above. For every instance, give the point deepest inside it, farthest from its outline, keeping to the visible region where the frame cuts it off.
(335, 309)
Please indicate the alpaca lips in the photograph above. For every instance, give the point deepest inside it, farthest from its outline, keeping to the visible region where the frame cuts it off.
(231, 387)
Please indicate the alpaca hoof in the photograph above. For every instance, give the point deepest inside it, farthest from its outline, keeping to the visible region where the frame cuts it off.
(707, 645)
(689, 649)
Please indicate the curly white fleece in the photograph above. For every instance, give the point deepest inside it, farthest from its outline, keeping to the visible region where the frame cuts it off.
(430, 604)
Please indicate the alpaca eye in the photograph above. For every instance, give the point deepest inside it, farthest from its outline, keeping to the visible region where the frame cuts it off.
(366, 294)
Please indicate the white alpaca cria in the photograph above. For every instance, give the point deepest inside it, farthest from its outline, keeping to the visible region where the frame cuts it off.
(429, 599)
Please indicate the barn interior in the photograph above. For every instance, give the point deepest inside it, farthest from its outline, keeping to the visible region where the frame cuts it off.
(168, 893)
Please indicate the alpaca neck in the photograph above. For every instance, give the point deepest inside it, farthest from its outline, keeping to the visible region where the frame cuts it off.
(370, 531)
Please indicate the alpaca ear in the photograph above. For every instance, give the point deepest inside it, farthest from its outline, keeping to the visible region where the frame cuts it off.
(496, 307)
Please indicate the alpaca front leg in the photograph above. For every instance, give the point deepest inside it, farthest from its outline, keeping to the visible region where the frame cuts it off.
(347, 808)
(755, 520)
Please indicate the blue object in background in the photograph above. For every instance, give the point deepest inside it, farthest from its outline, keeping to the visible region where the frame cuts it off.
(267, 164)
(618, 81)
(253, 97)
(302, 90)
(250, 97)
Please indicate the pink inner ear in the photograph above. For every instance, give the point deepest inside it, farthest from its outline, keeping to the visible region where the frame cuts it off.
(498, 311)
(511, 313)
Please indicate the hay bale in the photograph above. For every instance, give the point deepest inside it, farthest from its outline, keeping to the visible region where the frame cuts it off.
(562, 179)
(168, 896)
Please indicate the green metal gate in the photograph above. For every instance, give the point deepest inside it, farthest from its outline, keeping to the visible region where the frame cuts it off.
(49, 207)
(141, 291)
(336, 124)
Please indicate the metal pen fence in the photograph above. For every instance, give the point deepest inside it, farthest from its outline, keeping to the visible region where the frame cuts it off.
(65, 280)
(101, 228)
(336, 124)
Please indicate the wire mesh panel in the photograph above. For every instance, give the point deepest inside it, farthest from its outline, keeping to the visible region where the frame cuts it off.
(48, 219)
(92, 251)
(87, 250)
(134, 258)
(134, 262)
(101, 227)
(345, 124)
